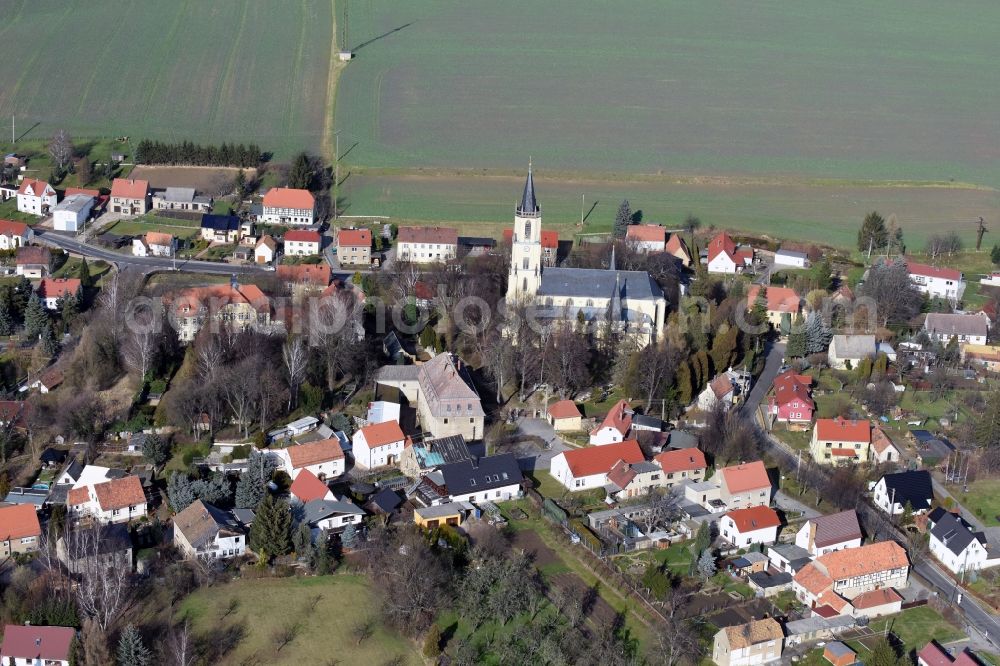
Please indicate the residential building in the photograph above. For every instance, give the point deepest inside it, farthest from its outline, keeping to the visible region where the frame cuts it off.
(830, 583)
(240, 306)
(847, 351)
(37, 645)
(14, 235)
(564, 416)
(745, 527)
(893, 492)
(782, 304)
(587, 468)
(52, 291)
(719, 391)
(825, 534)
(72, 213)
(791, 259)
(305, 275)
(354, 247)
(883, 450)
(49, 381)
(220, 228)
(725, 257)
(965, 328)
(646, 238)
(946, 283)
(302, 242)
(378, 445)
(792, 401)
(550, 245)
(288, 206)
(324, 458)
(265, 249)
(19, 530)
(987, 356)
(627, 479)
(431, 517)
(616, 426)
(423, 245)
(954, 543)
(421, 457)
(788, 558)
(488, 479)
(757, 642)
(116, 500)
(154, 244)
(933, 654)
(130, 196)
(678, 248)
(442, 389)
(33, 261)
(733, 487)
(203, 531)
(326, 515)
(182, 199)
(307, 487)
(36, 197)
(682, 465)
(840, 441)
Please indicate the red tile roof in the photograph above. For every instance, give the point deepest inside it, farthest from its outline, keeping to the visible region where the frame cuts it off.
(621, 474)
(721, 386)
(875, 598)
(380, 434)
(872, 558)
(550, 238)
(217, 295)
(78, 496)
(129, 188)
(719, 244)
(37, 643)
(754, 518)
(314, 274)
(600, 459)
(158, 238)
(119, 493)
(307, 487)
(29, 255)
(58, 287)
(442, 235)
(779, 299)
(70, 191)
(302, 236)
(848, 453)
(354, 238)
(934, 655)
(618, 418)
(314, 453)
(14, 411)
(37, 187)
(648, 233)
(843, 430)
(933, 271)
(748, 476)
(789, 386)
(11, 228)
(675, 244)
(881, 441)
(681, 460)
(19, 521)
(564, 409)
(286, 197)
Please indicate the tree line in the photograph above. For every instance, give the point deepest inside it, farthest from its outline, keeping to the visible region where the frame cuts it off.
(186, 152)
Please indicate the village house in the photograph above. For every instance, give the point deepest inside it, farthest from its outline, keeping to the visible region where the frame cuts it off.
(240, 306)
(488, 479)
(719, 391)
(616, 426)
(725, 257)
(839, 441)
(220, 228)
(965, 328)
(115, 500)
(288, 206)
(549, 242)
(331, 515)
(678, 248)
(791, 259)
(313, 276)
(782, 304)
(130, 196)
(847, 351)
(565, 416)
(946, 283)
(627, 480)
(893, 492)
(757, 642)
(307, 487)
(830, 583)
(52, 291)
(883, 450)
(791, 401)
(48, 381)
(14, 235)
(745, 527)
(682, 465)
(424, 456)
(154, 244)
(378, 445)
(646, 238)
(933, 654)
(825, 534)
(19, 530)
(302, 242)
(733, 487)
(72, 213)
(423, 245)
(36, 197)
(182, 199)
(33, 261)
(37, 645)
(587, 468)
(264, 250)
(986, 356)
(354, 247)
(324, 458)
(442, 389)
(954, 543)
(202, 531)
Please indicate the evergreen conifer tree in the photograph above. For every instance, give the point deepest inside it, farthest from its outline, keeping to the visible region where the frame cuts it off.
(35, 317)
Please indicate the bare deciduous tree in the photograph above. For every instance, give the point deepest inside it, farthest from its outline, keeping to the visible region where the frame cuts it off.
(295, 357)
(240, 388)
(179, 644)
(61, 149)
(104, 589)
(140, 350)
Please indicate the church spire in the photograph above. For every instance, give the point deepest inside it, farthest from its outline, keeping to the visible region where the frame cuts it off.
(529, 204)
(612, 266)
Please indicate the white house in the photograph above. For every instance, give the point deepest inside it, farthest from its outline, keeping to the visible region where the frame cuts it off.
(202, 531)
(494, 478)
(331, 515)
(850, 349)
(378, 445)
(263, 251)
(71, 213)
(324, 458)
(616, 425)
(422, 245)
(288, 206)
(14, 235)
(646, 238)
(956, 546)
(302, 242)
(114, 500)
(970, 329)
(36, 197)
(725, 257)
(937, 282)
(583, 469)
(825, 534)
(893, 492)
(153, 244)
(791, 259)
(718, 391)
(745, 527)
(51, 291)
(37, 645)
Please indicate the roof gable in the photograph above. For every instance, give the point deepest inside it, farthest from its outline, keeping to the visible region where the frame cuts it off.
(681, 460)
(286, 197)
(836, 528)
(748, 476)
(600, 459)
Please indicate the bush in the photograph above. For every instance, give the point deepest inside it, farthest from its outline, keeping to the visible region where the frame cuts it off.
(432, 642)
(582, 531)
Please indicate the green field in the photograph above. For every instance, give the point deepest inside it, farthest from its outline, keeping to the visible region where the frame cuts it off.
(226, 70)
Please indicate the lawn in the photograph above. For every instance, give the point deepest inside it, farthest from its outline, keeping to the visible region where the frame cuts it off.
(322, 611)
(796, 439)
(983, 499)
(915, 627)
(228, 70)
(72, 268)
(9, 211)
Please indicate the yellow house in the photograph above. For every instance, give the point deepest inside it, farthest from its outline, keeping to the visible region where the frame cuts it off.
(782, 303)
(987, 356)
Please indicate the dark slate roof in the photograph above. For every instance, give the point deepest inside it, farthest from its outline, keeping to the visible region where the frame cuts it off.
(598, 283)
(765, 580)
(680, 439)
(936, 514)
(487, 473)
(51, 455)
(914, 487)
(954, 533)
(245, 516)
(647, 421)
(319, 509)
(477, 241)
(387, 500)
(220, 222)
(529, 204)
(75, 469)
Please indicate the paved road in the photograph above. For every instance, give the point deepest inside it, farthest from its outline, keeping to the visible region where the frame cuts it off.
(143, 263)
(984, 622)
(773, 361)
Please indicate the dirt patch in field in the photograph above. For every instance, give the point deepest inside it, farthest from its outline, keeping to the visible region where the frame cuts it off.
(534, 547)
(595, 609)
(210, 180)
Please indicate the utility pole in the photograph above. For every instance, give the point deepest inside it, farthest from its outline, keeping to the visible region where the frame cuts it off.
(14, 140)
(583, 205)
(336, 171)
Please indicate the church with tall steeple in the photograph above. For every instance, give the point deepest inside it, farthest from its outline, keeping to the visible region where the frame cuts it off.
(629, 300)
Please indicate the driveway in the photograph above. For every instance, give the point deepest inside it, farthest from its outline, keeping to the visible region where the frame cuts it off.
(788, 503)
(773, 361)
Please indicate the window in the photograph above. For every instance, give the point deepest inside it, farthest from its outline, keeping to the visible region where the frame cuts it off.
(524, 263)
(527, 229)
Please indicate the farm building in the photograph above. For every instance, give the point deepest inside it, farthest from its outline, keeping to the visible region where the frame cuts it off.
(71, 213)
